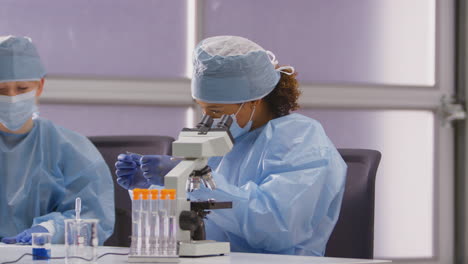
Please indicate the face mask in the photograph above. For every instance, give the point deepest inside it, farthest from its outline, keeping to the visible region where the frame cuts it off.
(235, 129)
(16, 110)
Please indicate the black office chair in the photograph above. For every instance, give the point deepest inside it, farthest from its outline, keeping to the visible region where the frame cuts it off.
(353, 236)
(110, 147)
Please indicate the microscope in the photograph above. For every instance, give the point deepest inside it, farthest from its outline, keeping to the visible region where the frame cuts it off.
(196, 146)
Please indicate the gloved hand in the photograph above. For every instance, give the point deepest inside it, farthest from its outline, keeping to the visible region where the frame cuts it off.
(25, 236)
(128, 172)
(155, 167)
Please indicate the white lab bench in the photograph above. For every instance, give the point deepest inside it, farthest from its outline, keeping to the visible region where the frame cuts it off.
(12, 252)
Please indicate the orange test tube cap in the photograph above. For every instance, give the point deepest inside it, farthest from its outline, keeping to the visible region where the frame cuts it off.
(136, 194)
(145, 194)
(172, 194)
(154, 194)
(164, 194)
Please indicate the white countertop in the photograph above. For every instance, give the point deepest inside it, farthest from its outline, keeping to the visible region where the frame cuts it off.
(12, 252)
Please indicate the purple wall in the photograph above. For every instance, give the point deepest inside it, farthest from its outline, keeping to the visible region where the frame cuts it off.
(405, 177)
(335, 41)
(114, 38)
(326, 41)
(102, 120)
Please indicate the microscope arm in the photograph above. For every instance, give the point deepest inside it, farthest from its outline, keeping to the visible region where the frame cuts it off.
(177, 179)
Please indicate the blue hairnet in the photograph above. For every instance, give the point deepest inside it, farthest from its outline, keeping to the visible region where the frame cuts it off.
(230, 69)
(19, 60)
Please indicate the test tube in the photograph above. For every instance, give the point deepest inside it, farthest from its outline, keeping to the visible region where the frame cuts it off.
(145, 229)
(172, 211)
(163, 222)
(154, 222)
(136, 223)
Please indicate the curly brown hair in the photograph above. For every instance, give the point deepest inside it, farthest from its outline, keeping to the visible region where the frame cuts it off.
(283, 99)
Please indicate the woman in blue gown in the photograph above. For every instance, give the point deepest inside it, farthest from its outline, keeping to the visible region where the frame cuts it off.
(284, 175)
(43, 167)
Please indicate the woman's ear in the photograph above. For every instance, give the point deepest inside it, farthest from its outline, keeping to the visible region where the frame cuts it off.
(256, 103)
(41, 87)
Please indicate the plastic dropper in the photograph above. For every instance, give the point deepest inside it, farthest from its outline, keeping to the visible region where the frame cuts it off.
(79, 237)
(77, 208)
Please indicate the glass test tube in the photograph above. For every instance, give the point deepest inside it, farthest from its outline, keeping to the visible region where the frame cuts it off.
(163, 222)
(154, 222)
(145, 229)
(172, 210)
(136, 223)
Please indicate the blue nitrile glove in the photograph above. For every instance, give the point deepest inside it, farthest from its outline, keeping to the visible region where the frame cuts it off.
(155, 167)
(128, 172)
(25, 236)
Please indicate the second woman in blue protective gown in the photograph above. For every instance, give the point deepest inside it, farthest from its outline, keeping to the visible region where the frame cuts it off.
(284, 176)
(43, 167)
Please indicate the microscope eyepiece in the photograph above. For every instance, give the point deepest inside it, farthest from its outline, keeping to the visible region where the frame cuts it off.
(206, 122)
(226, 121)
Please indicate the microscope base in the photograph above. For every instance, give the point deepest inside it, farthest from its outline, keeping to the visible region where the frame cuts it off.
(152, 259)
(203, 248)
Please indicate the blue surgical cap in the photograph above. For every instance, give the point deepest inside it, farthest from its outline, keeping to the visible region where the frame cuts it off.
(230, 69)
(19, 60)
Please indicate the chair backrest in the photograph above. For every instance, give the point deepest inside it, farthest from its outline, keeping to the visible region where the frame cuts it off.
(110, 147)
(353, 235)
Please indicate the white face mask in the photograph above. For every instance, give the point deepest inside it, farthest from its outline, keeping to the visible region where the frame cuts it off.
(16, 110)
(235, 129)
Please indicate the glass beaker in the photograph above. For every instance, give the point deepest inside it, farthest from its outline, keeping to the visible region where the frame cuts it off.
(41, 243)
(81, 240)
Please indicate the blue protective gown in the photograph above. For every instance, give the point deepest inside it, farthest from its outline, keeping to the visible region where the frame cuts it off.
(286, 181)
(43, 171)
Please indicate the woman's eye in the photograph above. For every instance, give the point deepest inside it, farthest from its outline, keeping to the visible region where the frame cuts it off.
(23, 88)
(213, 111)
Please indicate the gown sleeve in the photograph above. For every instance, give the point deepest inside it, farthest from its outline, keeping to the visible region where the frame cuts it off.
(88, 177)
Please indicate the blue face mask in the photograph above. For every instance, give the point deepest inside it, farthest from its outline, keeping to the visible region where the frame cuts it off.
(235, 129)
(16, 110)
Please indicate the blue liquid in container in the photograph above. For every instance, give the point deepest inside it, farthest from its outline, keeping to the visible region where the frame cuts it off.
(40, 253)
